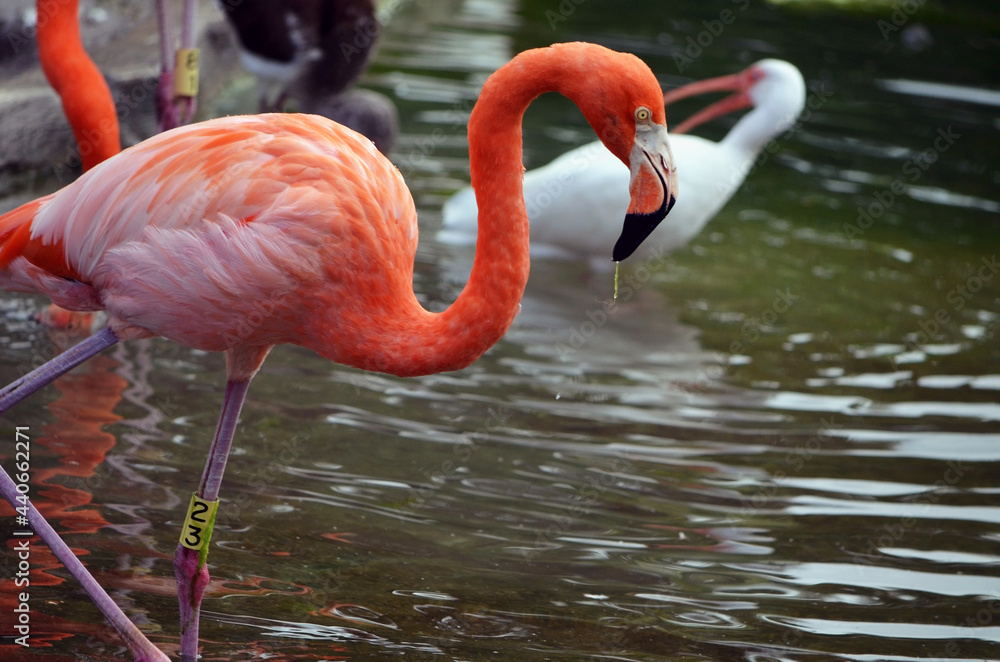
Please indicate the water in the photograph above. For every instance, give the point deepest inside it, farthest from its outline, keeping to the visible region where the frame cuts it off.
(784, 446)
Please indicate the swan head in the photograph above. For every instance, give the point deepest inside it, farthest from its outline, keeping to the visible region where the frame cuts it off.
(774, 88)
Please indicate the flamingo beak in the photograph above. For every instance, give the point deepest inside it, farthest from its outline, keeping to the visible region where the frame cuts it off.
(737, 83)
(653, 187)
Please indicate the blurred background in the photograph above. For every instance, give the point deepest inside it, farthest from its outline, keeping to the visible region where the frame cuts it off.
(783, 446)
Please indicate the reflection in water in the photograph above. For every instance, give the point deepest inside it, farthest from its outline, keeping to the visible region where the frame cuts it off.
(78, 444)
(314, 632)
(782, 446)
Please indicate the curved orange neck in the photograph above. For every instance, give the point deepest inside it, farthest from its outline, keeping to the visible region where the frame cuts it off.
(85, 96)
(413, 341)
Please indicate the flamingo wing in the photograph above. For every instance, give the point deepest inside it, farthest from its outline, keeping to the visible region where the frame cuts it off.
(209, 219)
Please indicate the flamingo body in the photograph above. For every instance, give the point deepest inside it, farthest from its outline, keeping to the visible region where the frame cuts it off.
(573, 200)
(209, 218)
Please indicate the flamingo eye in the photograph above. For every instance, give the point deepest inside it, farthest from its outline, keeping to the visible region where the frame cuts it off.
(643, 114)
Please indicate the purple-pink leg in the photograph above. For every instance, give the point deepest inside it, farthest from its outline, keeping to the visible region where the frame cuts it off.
(187, 105)
(190, 566)
(165, 92)
(21, 388)
(13, 393)
(142, 648)
(173, 110)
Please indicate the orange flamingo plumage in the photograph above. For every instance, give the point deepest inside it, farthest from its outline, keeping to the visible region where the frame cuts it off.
(241, 233)
(84, 93)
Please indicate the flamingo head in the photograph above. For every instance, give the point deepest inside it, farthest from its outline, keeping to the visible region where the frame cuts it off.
(652, 183)
(623, 102)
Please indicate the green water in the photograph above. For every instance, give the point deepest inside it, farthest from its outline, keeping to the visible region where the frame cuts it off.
(783, 447)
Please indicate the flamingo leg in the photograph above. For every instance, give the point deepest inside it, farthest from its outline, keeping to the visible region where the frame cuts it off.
(190, 566)
(142, 649)
(21, 388)
(165, 90)
(173, 109)
(13, 393)
(187, 24)
(188, 104)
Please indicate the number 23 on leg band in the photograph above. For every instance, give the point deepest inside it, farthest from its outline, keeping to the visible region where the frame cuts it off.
(199, 522)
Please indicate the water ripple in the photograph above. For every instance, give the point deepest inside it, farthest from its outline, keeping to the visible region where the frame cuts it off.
(886, 630)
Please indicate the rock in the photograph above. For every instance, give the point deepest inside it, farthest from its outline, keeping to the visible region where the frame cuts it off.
(17, 34)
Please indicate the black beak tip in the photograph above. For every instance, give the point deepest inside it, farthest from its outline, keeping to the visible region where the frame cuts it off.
(636, 228)
(625, 245)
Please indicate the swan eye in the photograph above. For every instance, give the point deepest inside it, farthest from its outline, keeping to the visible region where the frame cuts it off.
(643, 114)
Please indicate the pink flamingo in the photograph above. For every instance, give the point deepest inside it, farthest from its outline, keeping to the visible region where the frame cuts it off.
(241, 233)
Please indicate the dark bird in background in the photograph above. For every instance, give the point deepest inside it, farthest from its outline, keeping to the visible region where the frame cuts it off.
(369, 113)
(312, 51)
